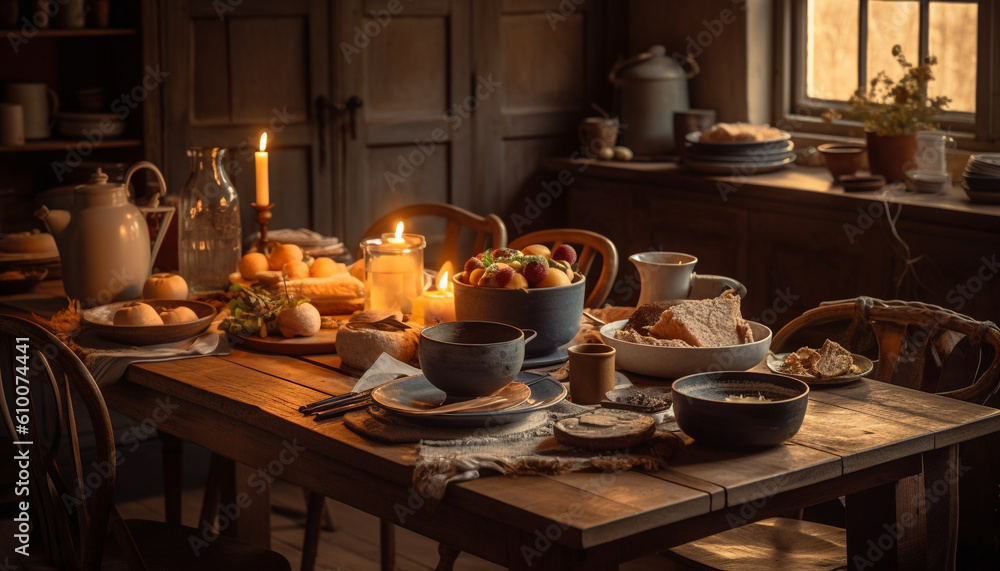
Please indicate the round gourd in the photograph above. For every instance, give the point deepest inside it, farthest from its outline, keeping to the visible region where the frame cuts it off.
(179, 314)
(137, 313)
(165, 286)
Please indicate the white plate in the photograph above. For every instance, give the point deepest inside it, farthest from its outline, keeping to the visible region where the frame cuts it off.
(676, 362)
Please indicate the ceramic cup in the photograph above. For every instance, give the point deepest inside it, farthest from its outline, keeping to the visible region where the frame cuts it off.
(591, 372)
(11, 124)
(468, 359)
(39, 106)
(691, 121)
(597, 133)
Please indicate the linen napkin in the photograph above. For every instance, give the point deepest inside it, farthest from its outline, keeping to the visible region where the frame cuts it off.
(313, 242)
(386, 368)
(107, 361)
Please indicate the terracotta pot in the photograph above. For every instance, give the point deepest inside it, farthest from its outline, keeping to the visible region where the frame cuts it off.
(842, 159)
(891, 155)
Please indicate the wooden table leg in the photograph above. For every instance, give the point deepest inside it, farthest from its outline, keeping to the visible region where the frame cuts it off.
(387, 544)
(245, 505)
(537, 551)
(172, 468)
(942, 470)
(872, 530)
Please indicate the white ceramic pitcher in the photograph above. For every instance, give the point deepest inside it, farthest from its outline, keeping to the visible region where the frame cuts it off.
(104, 242)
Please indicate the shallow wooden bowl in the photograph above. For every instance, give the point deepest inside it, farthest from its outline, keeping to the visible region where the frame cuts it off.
(101, 320)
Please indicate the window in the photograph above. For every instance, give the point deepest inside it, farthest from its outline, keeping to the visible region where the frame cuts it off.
(838, 46)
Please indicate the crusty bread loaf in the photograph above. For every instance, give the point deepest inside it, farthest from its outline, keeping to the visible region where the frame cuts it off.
(645, 316)
(633, 336)
(739, 132)
(338, 294)
(715, 322)
(361, 341)
(801, 362)
(834, 360)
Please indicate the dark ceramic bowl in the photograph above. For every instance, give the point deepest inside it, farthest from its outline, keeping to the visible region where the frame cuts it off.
(468, 359)
(553, 312)
(704, 414)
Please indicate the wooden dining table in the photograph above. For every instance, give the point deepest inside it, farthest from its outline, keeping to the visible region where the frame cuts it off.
(891, 451)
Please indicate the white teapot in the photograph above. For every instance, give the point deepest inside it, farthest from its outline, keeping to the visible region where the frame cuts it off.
(104, 242)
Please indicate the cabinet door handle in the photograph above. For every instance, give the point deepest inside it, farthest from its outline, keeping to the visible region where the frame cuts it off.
(323, 108)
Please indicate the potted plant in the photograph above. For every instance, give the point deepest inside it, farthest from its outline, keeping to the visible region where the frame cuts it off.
(893, 111)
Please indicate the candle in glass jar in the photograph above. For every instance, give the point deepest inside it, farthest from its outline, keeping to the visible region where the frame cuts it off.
(438, 305)
(393, 270)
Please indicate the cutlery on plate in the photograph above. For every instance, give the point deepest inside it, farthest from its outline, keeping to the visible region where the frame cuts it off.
(335, 400)
(341, 409)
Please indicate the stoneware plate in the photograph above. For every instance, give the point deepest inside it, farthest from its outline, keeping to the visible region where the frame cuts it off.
(776, 362)
(544, 394)
(411, 398)
(674, 362)
(101, 320)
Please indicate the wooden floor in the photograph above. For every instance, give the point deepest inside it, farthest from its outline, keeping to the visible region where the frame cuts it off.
(352, 546)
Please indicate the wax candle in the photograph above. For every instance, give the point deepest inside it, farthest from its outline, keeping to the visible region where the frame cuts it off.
(393, 271)
(438, 305)
(260, 164)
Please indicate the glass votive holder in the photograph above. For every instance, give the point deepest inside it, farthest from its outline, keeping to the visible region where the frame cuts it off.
(394, 271)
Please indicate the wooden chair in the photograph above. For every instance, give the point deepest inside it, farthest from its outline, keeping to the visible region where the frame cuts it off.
(918, 345)
(72, 509)
(486, 231)
(589, 245)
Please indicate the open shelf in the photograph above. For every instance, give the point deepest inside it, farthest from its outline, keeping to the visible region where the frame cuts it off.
(61, 144)
(72, 32)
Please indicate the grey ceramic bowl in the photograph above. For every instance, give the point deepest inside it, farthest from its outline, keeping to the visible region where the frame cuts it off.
(704, 414)
(468, 359)
(553, 312)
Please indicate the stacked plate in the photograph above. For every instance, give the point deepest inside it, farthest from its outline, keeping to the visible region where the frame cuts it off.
(740, 157)
(982, 178)
(927, 182)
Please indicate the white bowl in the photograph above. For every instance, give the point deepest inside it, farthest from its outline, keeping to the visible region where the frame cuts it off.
(675, 362)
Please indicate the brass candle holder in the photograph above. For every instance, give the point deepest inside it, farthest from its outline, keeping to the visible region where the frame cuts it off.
(263, 219)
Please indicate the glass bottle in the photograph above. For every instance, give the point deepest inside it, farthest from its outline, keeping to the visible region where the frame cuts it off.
(209, 233)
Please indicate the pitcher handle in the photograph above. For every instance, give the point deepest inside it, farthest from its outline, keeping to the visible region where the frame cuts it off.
(153, 206)
(727, 283)
(53, 106)
(529, 337)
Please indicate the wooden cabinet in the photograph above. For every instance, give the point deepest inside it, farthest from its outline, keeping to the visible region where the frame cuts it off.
(791, 238)
(108, 72)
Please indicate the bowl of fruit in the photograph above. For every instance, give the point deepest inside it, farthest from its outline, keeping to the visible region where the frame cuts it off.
(534, 288)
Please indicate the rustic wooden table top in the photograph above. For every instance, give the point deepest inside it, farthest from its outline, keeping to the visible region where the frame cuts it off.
(855, 438)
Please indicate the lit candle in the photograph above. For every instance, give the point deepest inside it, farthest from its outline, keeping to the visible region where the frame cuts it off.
(393, 270)
(260, 162)
(436, 306)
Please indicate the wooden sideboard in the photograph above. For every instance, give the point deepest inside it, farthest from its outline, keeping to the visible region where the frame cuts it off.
(792, 237)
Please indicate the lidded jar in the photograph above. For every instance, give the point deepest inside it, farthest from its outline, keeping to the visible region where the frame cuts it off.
(652, 86)
(209, 233)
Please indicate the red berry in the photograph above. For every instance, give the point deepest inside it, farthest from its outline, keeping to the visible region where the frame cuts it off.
(473, 264)
(566, 253)
(479, 256)
(504, 274)
(535, 272)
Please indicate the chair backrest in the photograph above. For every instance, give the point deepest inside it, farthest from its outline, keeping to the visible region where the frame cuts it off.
(487, 231)
(42, 389)
(918, 345)
(588, 245)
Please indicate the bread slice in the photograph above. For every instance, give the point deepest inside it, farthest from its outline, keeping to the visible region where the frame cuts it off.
(834, 361)
(646, 316)
(713, 322)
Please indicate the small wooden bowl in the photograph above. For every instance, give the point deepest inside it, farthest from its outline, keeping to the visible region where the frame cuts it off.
(842, 159)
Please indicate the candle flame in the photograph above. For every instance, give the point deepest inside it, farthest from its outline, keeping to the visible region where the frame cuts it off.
(263, 141)
(443, 281)
(399, 230)
(447, 269)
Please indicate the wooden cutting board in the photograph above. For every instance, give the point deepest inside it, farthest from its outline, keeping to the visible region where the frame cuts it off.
(605, 429)
(324, 341)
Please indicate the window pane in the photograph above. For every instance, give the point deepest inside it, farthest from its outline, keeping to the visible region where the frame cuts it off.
(952, 38)
(832, 50)
(891, 23)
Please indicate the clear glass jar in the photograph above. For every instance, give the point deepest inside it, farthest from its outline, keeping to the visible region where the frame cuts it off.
(209, 233)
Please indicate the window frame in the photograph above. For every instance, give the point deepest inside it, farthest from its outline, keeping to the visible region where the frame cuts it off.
(791, 110)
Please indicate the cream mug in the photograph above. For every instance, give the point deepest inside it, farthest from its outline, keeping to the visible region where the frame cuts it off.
(39, 105)
(665, 276)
